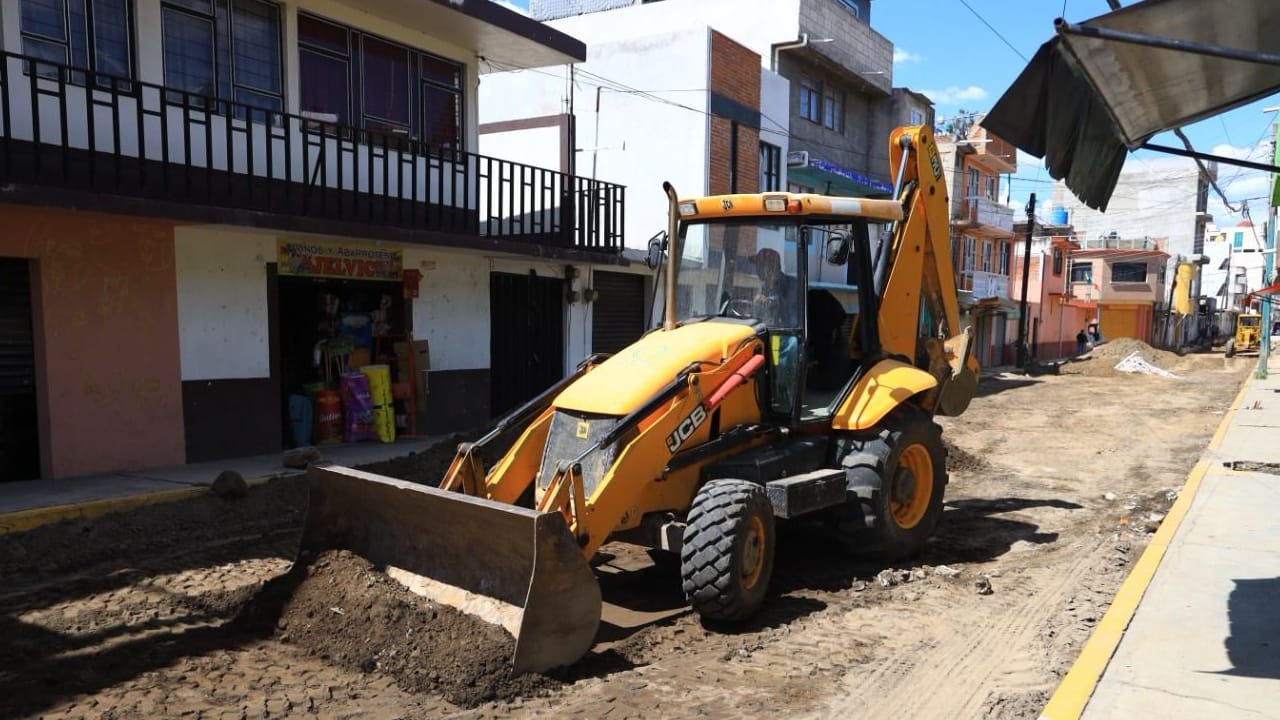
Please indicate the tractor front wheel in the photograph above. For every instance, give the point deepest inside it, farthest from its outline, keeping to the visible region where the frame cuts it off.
(726, 559)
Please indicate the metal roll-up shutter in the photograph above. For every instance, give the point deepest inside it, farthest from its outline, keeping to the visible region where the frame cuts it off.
(617, 317)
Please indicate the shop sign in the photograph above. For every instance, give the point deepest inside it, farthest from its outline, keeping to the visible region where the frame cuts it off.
(318, 258)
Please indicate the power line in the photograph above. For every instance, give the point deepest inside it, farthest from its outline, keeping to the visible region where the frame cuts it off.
(615, 86)
(997, 32)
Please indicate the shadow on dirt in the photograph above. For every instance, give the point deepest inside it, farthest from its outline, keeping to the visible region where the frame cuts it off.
(64, 561)
(968, 532)
(39, 680)
(992, 385)
(56, 650)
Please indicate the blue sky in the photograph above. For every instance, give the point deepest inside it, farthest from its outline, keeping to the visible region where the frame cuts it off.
(944, 49)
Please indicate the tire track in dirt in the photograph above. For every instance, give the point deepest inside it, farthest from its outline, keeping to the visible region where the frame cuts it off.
(932, 683)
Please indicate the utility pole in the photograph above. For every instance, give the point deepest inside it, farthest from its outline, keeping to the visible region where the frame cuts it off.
(1023, 354)
(1264, 329)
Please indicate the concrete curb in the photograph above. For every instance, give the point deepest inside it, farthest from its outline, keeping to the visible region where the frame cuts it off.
(1073, 693)
(24, 520)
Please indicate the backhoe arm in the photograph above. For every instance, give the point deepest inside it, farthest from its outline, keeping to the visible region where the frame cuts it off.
(919, 309)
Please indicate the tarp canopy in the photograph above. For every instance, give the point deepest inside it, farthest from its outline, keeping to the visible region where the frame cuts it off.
(1104, 87)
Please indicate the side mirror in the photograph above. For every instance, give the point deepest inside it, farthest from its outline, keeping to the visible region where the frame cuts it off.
(657, 244)
(838, 249)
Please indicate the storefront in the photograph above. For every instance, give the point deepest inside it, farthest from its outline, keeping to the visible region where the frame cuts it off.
(348, 362)
(268, 325)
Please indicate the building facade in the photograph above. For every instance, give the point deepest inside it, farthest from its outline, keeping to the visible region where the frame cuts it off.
(982, 239)
(213, 209)
(1238, 261)
(838, 69)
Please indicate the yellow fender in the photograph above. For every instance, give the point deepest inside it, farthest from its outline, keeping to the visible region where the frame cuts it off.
(886, 386)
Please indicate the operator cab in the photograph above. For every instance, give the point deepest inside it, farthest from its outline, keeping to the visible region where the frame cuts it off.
(800, 282)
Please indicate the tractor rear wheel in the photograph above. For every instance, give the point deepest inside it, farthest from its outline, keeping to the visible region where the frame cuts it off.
(726, 559)
(1231, 347)
(897, 479)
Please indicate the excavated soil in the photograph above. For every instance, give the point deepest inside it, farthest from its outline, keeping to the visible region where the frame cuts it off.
(1101, 361)
(195, 609)
(340, 609)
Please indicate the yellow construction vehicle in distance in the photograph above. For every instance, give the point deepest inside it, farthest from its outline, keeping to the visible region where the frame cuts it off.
(796, 373)
(1248, 335)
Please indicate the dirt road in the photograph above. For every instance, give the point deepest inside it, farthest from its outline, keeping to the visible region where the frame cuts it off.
(1054, 482)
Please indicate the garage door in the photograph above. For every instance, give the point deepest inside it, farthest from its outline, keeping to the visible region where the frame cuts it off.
(617, 317)
(1119, 322)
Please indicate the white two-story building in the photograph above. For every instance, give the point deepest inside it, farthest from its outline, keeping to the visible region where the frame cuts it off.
(211, 208)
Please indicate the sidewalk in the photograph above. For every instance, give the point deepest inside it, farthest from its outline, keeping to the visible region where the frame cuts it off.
(1194, 631)
(31, 503)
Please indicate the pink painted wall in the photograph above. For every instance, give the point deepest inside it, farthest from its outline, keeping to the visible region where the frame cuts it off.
(106, 324)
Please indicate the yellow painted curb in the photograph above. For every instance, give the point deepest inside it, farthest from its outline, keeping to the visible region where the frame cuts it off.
(25, 520)
(1072, 695)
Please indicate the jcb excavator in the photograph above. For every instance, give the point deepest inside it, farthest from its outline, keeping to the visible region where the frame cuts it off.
(796, 373)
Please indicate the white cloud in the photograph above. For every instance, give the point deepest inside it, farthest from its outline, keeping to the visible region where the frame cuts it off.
(1241, 184)
(1027, 161)
(512, 6)
(902, 55)
(953, 94)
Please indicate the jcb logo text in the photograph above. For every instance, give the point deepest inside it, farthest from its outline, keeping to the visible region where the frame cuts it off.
(686, 428)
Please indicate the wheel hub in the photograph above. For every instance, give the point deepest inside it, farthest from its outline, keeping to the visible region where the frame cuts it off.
(912, 486)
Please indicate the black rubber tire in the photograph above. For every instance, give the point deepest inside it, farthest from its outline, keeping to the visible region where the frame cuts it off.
(871, 467)
(716, 538)
(1231, 348)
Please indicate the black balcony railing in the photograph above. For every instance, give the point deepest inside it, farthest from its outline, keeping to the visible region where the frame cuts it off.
(61, 127)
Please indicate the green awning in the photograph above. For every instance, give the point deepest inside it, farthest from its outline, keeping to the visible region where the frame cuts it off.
(831, 179)
(1106, 86)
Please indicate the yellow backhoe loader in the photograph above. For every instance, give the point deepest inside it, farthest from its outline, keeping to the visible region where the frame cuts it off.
(796, 373)
(1248, 335)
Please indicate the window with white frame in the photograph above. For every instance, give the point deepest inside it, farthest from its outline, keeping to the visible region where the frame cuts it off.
(770, 167)
(1082, 272)
(1005, 254)
(915, 117)
(376, 84)
(993, 187)
(810, 100)
(986, 256)
(94, 35)
(224, 50)
(853, 7)
(970, 253)
(974, 178)
(833, 109)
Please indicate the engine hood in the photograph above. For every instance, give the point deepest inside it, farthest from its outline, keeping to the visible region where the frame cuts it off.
(630, 378)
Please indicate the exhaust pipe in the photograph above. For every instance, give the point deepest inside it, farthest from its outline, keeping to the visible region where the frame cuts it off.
(674, 249)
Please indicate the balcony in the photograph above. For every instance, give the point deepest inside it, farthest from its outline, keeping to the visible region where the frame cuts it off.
(857, 49)
(984, 218)
(989, 285)
(136, 147)
(1113, 241)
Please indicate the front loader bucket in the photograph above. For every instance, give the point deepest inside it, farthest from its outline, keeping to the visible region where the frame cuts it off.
(511, 566)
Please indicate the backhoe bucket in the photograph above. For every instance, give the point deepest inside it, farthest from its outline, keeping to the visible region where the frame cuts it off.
(509, 565)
